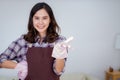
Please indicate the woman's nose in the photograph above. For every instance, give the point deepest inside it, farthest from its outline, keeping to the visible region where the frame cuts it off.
(40, 21)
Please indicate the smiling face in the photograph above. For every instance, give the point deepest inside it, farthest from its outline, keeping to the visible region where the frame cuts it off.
(41, 21)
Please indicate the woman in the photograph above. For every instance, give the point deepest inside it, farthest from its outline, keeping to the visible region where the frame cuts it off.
(39, 47)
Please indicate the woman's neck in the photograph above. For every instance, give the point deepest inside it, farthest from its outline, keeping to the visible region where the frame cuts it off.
(42, 36)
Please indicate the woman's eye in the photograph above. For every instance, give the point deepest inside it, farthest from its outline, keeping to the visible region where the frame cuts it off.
(45, 17)
(36, 18)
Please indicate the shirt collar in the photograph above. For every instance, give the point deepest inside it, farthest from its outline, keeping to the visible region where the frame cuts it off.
(37, 39)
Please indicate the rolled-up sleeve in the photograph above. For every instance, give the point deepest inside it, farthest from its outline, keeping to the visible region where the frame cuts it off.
(11, 52)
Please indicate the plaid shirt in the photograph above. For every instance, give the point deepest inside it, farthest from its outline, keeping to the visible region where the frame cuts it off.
(17, 49)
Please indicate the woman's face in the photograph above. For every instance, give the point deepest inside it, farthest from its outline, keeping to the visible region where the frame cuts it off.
(41, 21)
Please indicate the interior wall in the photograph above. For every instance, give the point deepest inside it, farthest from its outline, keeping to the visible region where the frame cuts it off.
(93, 23)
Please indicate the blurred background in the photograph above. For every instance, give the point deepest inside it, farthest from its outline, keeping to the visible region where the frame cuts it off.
(95, 24)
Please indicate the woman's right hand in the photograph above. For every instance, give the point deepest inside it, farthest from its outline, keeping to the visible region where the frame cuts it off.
(22, 70)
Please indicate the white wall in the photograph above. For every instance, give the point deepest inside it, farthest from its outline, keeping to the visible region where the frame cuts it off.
(93, 23)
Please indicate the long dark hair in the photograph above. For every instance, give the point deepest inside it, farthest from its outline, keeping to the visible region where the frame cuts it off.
(52, 31)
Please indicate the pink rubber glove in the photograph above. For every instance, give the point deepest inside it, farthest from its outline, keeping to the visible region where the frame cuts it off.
(60, 49)
(22, 70)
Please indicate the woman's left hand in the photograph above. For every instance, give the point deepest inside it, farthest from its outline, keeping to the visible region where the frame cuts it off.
(60, 49)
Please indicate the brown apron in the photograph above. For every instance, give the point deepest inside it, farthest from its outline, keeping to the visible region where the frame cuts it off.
(40, 64)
